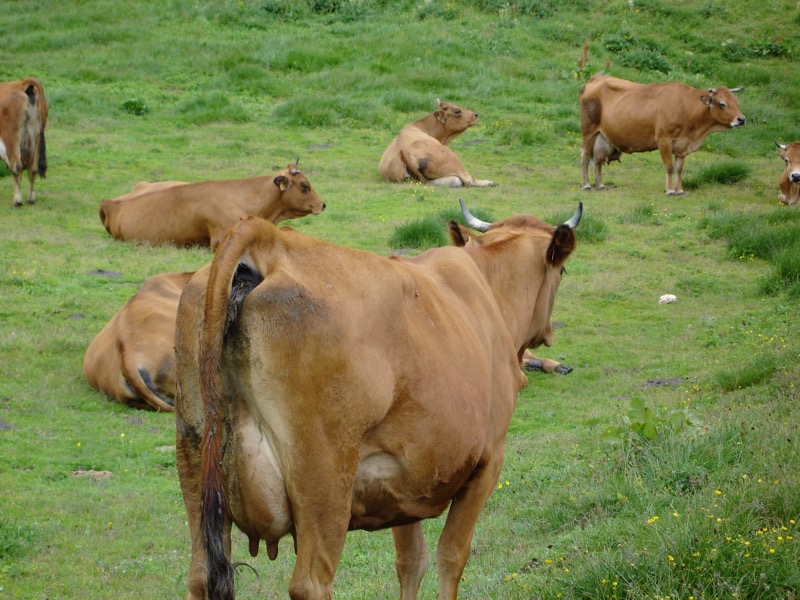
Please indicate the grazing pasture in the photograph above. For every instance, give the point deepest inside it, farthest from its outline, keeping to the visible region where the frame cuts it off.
(665, 465)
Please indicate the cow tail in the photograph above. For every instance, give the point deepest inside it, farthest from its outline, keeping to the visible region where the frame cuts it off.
(142, 383)
(411, 168)
(40, 102)
(220, 571)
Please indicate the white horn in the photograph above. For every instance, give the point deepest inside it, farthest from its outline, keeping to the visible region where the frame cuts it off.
(472, 221)
(781, 146)
(576, 218)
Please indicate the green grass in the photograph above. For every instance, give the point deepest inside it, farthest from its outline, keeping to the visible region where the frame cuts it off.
(191, 91)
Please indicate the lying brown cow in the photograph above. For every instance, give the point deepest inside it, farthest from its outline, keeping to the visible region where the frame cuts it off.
(186, 214)
(323, 389)
(132, 359)
(672, 118)
(420, 150)
(790, 178)
(23, 118)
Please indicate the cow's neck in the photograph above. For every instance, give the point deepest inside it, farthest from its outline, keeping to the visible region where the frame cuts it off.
(525, 297)
(436, 129)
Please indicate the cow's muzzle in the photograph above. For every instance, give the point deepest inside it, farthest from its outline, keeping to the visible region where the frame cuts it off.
(739, 121)
(794, 177)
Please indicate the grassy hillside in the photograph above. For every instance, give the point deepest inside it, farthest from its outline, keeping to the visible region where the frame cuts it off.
(664, 466)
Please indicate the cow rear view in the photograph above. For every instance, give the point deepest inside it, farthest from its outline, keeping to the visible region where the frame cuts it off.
(23, 118)
(318, 387)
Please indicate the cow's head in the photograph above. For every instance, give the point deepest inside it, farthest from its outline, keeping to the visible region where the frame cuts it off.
(454, 118)
(723, 106)
(791, 156)
(297, 196)
(523, 245)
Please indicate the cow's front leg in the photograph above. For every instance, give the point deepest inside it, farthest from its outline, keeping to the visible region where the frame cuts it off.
(679, 175)
(665, 149)
(411, 561)
(453, 549)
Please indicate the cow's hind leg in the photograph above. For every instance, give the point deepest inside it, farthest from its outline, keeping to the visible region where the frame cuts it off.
(31, 178)
(411, 553)
(587, 153)
(453, 548)
(17, 202)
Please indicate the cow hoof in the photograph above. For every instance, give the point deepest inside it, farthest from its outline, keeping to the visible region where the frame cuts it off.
(563, 369)
(16, 205)
(587, 187)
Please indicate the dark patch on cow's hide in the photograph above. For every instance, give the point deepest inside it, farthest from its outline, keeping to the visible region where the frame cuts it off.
(665, 381)
(104, 273)
(5, 425)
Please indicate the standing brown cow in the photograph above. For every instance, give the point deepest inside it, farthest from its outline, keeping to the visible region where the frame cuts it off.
(790, 178)
(322, 389)
(23, 117)
(672, 118)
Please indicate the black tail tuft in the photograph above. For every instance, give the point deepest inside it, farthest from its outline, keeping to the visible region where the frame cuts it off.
(41, 167)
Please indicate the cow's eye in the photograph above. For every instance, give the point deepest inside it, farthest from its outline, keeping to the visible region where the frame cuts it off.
(305, 187)
(722, 104)
(457, 113)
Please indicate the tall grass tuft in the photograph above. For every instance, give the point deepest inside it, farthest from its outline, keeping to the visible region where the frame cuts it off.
(724, 173)
(419, 234)
(749, 375)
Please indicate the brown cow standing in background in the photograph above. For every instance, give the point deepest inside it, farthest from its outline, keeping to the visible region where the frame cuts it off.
(23, 118)
(672, 118)
(790, 178)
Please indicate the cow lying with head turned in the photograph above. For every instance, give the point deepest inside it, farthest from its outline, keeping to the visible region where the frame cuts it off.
(420, 150)
(323, 389)
(132, 359)
(186, 214)
(672, 118)
(790, 178)
(23, 118)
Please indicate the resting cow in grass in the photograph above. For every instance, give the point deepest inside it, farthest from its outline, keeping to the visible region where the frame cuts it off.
(790, 178)
(323, 389)
(23, 117)
(420, 150)
(132, 359)
(672, 118)
(186, 214)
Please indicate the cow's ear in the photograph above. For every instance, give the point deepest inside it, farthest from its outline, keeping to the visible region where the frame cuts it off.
(707, 99)
(440, 115)
(561, 246)
(458, 235)
(282, 182)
